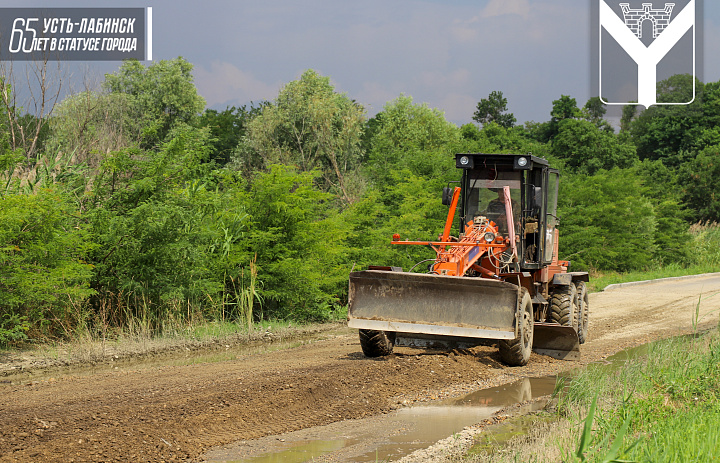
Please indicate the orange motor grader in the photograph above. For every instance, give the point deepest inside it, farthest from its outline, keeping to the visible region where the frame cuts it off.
(500, 279)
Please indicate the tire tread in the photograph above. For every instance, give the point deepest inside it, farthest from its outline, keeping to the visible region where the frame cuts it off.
(562, 307)
(513, 352)
(376, 343)
(583, 311)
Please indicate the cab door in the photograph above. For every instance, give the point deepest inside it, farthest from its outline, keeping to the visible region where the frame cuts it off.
(553, 183)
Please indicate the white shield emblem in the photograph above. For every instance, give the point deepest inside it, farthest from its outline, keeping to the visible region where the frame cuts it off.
(665, 25)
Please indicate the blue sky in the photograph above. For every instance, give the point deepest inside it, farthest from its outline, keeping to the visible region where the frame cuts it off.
(448, 54)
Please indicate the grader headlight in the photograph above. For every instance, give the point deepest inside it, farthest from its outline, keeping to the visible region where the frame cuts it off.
(522, 163)
(463, 161)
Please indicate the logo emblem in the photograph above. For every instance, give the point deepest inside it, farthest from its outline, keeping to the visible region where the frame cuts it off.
(666, 25)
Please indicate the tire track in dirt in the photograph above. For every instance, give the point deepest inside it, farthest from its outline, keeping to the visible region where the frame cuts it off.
(174, 413)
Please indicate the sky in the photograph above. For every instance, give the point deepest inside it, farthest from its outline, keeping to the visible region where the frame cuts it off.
(448, 54)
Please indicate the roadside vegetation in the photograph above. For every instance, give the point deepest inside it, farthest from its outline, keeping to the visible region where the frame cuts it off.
(704, 248)
(662, 407)
(132, 208)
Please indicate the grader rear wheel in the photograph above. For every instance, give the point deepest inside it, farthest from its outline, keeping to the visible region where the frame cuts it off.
(563, 306)
(583, 311)
(376, 343)
(516, 352)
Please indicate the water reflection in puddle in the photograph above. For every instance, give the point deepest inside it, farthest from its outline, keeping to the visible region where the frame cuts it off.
(434, 422)
(299, 453)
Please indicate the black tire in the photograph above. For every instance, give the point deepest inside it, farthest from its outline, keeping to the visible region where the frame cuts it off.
(583, 311)
(516, 352)
(376, 343)
(563, 306)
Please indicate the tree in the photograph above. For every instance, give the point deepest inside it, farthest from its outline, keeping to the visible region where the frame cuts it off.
(494, 138)
(152, 215)
(89, 125)
(541, 132)
(607, 222)
(595, 109)
(43, 263)
(311, 126)
(470, 132)
(678, 88)
(407, 126)
(699, 183)
(227, 128)
(672, 234)
(492, 109)
(370, 128)
(628, 114)
(564, 108)
(163, 93)
(26, 121)
(410, 161)
(588, 148)
(298, 240)
(411, 139)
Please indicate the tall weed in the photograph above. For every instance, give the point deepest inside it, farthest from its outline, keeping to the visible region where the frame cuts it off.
(706, 244)
(241, 295)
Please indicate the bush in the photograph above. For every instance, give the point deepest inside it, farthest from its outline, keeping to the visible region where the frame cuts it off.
(153, 219)
(44, 274)
(298, 241)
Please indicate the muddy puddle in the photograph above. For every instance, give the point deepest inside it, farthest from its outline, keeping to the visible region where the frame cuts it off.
(386, 437)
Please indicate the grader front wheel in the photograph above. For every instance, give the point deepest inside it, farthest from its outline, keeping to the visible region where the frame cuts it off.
(516, 352)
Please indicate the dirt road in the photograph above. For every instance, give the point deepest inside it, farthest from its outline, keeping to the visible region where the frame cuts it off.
(178, 410)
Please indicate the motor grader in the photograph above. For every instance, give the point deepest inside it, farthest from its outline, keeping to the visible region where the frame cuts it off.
(499, 280)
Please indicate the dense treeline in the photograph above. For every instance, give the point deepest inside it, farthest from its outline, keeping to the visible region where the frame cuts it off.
(137, 206)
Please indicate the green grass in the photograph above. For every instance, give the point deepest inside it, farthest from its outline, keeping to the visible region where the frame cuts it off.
(665, 407)
(218, 329)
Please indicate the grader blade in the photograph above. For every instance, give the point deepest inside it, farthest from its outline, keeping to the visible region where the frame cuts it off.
(432, 305)
(557, 341)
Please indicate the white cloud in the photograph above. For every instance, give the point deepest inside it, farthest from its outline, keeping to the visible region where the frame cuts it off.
(503, 7)
(373, 95)
(466, 30)
(437, 79)
(224, 82)
(458, 106)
